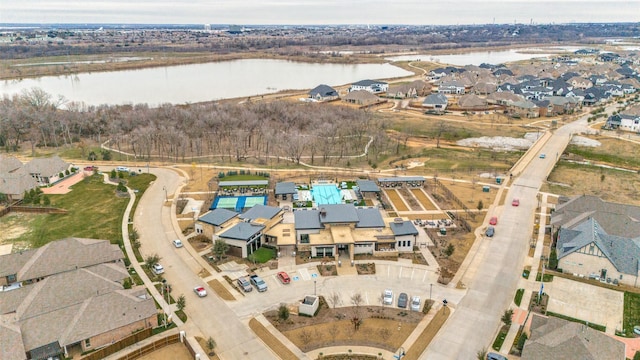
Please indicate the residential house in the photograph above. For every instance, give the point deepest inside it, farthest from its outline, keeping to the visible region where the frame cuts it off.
(451, 87)
(559, 105)
(71, 303)
(29, 266)
(361, 97)
(372, 86)
(472, 102)
(559, 339)
(580, 82)
(626, 122)
(422, 87)
(47, 171)
(14, 178)
(402, 91)
(445, 71)
(436, 102)
(484, 88)
(523, 109)
(503, 98)
(323, 93)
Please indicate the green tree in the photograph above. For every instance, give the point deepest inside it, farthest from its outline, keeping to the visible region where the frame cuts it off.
(106, 155)
(92, 156)
(181, 303)
(506, 317)
(636, 356)
(220, 247)
(283, 312)
(448, 251)
(66, 172)
(152, 259)
(127, 283)
(26, 197)
(521, 340)
(211, 344)
(481, 354)
(113, 174)
(480, 205)
(61, 175)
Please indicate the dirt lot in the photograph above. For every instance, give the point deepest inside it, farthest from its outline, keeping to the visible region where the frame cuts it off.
(423, 199)
(170, 352)
(381, 327)
(394, 197)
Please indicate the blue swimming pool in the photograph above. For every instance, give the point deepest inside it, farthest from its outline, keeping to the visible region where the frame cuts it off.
(237, 203)
(326, 194)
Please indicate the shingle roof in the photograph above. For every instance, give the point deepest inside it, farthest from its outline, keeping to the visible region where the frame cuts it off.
(554, 338)
(338, 213)
(401, 178)
(59, 256)
(9, 164)
(623, 253)
(403, 228)
(369, 82)
(307, 219)
(217, 217)
(12, 347)
(242, 231)
(323, 90)
(360, 95)
(47, 166)
(367, 186)
(286, 187)
(261, 212)
(369, 218)
(435, 99)
(17, 182)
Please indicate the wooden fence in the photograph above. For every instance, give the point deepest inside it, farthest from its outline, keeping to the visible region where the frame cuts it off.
(128, 341)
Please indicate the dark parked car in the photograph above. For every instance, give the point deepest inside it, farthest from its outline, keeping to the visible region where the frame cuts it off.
(402, 300)
(490, 231)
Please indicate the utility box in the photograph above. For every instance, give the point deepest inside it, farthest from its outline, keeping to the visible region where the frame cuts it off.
(485, 189)
(498, 180)
(443, 231)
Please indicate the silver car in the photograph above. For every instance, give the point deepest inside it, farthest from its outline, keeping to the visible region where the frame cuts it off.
(387, 297)
(415, 303)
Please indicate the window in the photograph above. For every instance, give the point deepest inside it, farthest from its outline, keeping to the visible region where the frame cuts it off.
(304, 238)
(87, 343)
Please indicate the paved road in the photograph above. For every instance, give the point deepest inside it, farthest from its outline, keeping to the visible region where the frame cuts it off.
(493, 274)
(209, 316)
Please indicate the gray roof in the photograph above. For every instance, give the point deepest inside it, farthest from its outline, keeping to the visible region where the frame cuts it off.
(403, 228)
(554, 338)
(616, 219)
(47, 166)
(17, 182)
(360, 95)
(323, 90)
(287, 187)
(623, 253)
(261, 212)
(369, 218)
(218, 216)
(307, 219)
(242, 231)
(338, 213)
(59, 256)
(244, 183)
(435, 99)
(369, 82)
(401, 179)
(9, 164)
(367, 186)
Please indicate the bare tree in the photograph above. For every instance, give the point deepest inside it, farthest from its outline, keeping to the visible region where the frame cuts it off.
(356, 319)
(334, 299)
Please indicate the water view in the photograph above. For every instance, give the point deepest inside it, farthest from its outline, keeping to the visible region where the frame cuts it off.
(475, 58)
(200, 82)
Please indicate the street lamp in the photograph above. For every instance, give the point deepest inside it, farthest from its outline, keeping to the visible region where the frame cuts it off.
(314, 287)
(430, 289)
(163, 292)
(166, 197)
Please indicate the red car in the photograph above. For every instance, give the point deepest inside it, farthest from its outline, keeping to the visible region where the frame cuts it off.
(90, 168)
(493, 220)
(515, 202)
(284, 277)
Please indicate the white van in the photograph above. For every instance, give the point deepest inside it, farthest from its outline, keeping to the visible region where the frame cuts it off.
(122, 168)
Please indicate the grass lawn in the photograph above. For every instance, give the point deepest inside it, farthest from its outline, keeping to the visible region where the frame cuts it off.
(497, 344)
(518, 299)
(631, 315)
(264, 254)
(547, 277)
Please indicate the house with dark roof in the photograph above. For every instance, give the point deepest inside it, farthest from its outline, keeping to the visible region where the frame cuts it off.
(559, 339)
(323, 93)
(285, 190)
(436, 102)
(405, 234)
(70, 307)
(371, 86)
(244, 238)
(343, 228)
(214, 221)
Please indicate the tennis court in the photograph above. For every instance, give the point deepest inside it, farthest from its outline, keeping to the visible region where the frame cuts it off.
(326, 194)
(238, 203)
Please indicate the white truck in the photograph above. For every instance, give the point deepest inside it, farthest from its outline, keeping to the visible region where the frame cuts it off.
(258, 283)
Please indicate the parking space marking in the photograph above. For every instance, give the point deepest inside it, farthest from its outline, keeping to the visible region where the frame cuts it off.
(425, 276)
(304, 273)
(412, 272)
(400, 274)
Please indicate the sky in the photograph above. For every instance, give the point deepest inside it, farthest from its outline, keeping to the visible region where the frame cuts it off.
(311, 12)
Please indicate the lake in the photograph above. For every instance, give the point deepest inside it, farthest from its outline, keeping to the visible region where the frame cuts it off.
(478, 57)
(200, 82)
